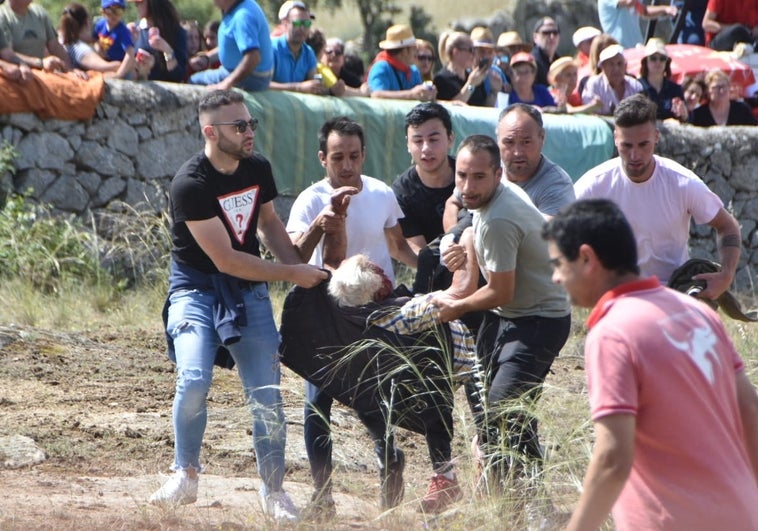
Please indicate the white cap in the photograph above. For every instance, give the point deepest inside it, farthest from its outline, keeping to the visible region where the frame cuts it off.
(611, 51)
(288, 6)
(584, 33)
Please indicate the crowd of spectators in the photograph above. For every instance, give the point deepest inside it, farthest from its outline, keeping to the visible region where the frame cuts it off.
(243, 50)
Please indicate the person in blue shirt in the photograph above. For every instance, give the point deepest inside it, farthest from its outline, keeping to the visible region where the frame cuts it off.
(113, 38)
(294, 60)
(393, 73)
(525, 90)
(244, 49)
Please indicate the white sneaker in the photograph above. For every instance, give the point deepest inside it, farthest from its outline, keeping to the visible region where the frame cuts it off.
(180, 489)
(279, 506)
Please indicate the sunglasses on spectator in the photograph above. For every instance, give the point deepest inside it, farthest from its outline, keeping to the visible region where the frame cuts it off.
(241, 125)
(425, 58)
(114, 9)
(656, 57)
(548, 33)
(302, 23)
(335, 53)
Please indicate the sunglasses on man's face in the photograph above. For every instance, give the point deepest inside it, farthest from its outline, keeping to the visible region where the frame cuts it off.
(550, 33)
(241, 125)
(302, 23)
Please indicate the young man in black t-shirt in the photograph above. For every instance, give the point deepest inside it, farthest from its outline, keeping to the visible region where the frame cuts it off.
(218, 302)
(423, 188)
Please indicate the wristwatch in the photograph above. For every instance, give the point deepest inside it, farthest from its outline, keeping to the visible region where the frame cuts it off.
(168, 56)
(470, 88)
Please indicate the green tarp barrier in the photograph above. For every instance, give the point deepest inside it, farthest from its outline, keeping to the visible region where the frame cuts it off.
(288, 135)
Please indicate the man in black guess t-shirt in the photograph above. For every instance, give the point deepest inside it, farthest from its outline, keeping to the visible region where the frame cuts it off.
(218, 303)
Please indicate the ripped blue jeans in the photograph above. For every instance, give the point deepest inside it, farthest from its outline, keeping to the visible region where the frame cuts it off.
(190, 324)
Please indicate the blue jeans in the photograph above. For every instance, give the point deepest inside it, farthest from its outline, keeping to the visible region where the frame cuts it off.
(190, 324)
(251, 83)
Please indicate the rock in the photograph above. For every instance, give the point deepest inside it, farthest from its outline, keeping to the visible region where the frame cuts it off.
(18, 451)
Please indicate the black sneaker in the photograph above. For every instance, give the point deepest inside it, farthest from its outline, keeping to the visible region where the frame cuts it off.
(391, 479)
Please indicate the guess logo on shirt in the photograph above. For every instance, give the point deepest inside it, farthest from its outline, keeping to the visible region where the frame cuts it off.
(238, 209)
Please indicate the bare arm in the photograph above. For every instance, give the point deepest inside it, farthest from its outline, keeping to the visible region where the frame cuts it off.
(729, 241)
(450, 216)
(399, 248)
(213, 239)
(710, 24)
(498, 291)
(609, 469)
(56, 49)
(419, 92)
(307, 86)
(659, 11)
(416, 243)
(275, 237)
(245, 67)
(748, 404)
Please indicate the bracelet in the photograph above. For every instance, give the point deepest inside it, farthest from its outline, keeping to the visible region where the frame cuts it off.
(169, 56)
(41, 64)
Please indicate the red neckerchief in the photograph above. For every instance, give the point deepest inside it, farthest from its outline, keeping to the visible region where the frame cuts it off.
(394, 63)
(602, 306)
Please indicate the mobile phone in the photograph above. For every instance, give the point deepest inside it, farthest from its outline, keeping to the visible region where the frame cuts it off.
(484, 63)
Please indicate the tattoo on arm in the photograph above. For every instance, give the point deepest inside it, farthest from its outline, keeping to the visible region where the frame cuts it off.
(731, 240)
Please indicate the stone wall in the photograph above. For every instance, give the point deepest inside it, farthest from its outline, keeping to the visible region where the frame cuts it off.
(142, 133)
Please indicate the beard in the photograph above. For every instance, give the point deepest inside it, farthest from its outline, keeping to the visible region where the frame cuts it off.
(235, 150)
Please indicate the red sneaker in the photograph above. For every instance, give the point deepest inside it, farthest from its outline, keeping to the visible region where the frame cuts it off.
(442, 492)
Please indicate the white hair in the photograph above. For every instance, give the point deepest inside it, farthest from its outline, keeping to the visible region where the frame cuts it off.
(354, 283)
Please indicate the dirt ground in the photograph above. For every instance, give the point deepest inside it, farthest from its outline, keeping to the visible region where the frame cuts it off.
(98, 406)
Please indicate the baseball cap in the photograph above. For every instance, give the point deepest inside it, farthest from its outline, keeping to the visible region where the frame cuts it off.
(655, 46)
(611, 51)
(105, 4)
(584, 33)
(289, 5)
(523, 57)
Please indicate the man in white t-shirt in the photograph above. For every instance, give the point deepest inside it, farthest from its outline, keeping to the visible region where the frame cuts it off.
(659, 197)
(675, 414)
(368, 226)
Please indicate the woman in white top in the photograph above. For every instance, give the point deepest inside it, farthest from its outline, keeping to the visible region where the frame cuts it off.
(74, 27)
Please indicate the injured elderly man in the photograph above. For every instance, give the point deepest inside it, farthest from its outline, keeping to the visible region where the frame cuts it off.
(388, 357)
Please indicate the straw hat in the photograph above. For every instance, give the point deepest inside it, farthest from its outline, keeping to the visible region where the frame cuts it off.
(398, 36)
(512, 41)
(609, 52)
(584, 33)
(655, 46)
(482, 37)
(558, 66)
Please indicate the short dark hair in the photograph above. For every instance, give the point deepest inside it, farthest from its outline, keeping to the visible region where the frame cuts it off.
(423, 112)
(341, 125)
(530, 110)
(635, 110)
(219, 98)
(600, 224)
(476, 143)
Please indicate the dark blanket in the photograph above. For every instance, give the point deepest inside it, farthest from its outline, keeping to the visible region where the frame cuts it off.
(405, 378)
